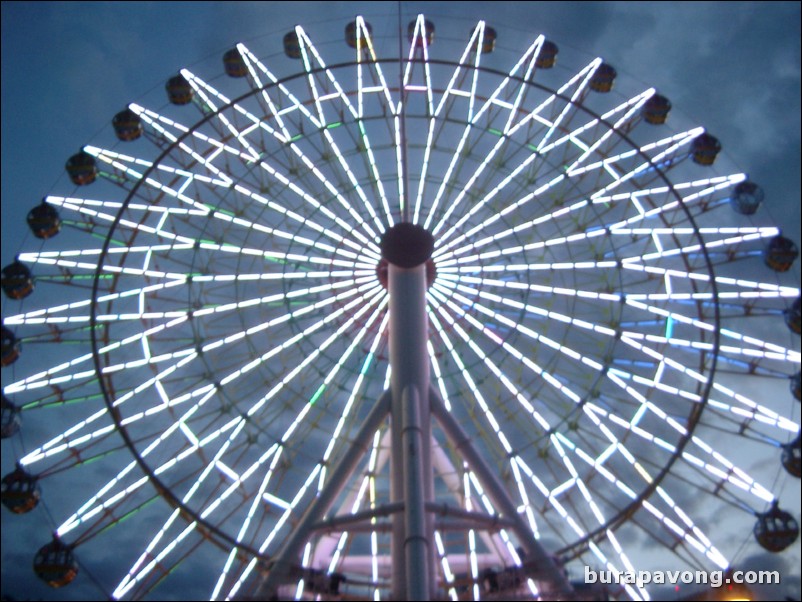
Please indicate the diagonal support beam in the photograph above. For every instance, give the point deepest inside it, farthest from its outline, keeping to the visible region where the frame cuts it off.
(286, 560)
(547, 569)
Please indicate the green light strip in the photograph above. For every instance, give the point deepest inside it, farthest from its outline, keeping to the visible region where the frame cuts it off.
(317, 394)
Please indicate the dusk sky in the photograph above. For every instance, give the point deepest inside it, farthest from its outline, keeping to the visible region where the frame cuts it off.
(68, 68)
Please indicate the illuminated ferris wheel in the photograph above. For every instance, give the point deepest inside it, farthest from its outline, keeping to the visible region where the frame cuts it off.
(557, 280)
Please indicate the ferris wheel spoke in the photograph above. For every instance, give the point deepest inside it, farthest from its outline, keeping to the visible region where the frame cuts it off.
(54, 258)
(630, 108)
(450, 258)
(283, 178)
(130, 171)
(79, 204)
(747, 414)
(168, 131)
(624, 114)
(261, 495)
(48, 316)
(461, 285)
(551, 496)
(303, 491)
(487, 412)
(577, 86)
(227, 218)
(455, 274)
(424, 86)
(697, 191)
(363, 294)
(47, 378)
(214, 504)
(349, 404)
(69, 439)
(356, 501)
(254, 156)
(701, 326)
(223, 186)
(134, 576)
(630, 164)
(529, 59)
(95, 505)
(522, 400)
(449, 101)
(730, 473)
(744, 235)
(317, 395)
(726, 352)
(529, 408)
(291, 139)
(594, 509)
(366, 56)
(365, 304)
(140, 570)
(699, 196)
(276, 106)
(742, 289)
(314, 66)
(524, 472)
(752, 411)
(83, 207)
(441, 247)
(764, 350)
(473, 488)
(690, 533)
(573, 480)
(709, 247)
(476, 394)
(205, 91)
(329, 550)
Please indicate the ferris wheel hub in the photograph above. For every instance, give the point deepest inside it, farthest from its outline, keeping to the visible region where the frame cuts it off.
(407, 245)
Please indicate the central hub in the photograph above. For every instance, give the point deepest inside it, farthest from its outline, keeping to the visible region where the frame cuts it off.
(407, 246)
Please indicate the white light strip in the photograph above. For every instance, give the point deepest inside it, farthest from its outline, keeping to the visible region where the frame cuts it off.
(36, 381)
(758, 490)
(241, 421)
(451, 90)
(531, 56)
(308, 48)
(419, 41)
(365, 50)
(320, 126)
(632, 105)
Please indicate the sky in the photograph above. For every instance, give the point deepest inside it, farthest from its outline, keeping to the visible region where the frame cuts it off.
(67, 68)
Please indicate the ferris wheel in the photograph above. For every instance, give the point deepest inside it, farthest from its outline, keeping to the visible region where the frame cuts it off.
(557, 279)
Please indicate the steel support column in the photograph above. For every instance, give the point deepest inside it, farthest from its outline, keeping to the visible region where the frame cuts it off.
(412, 480)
